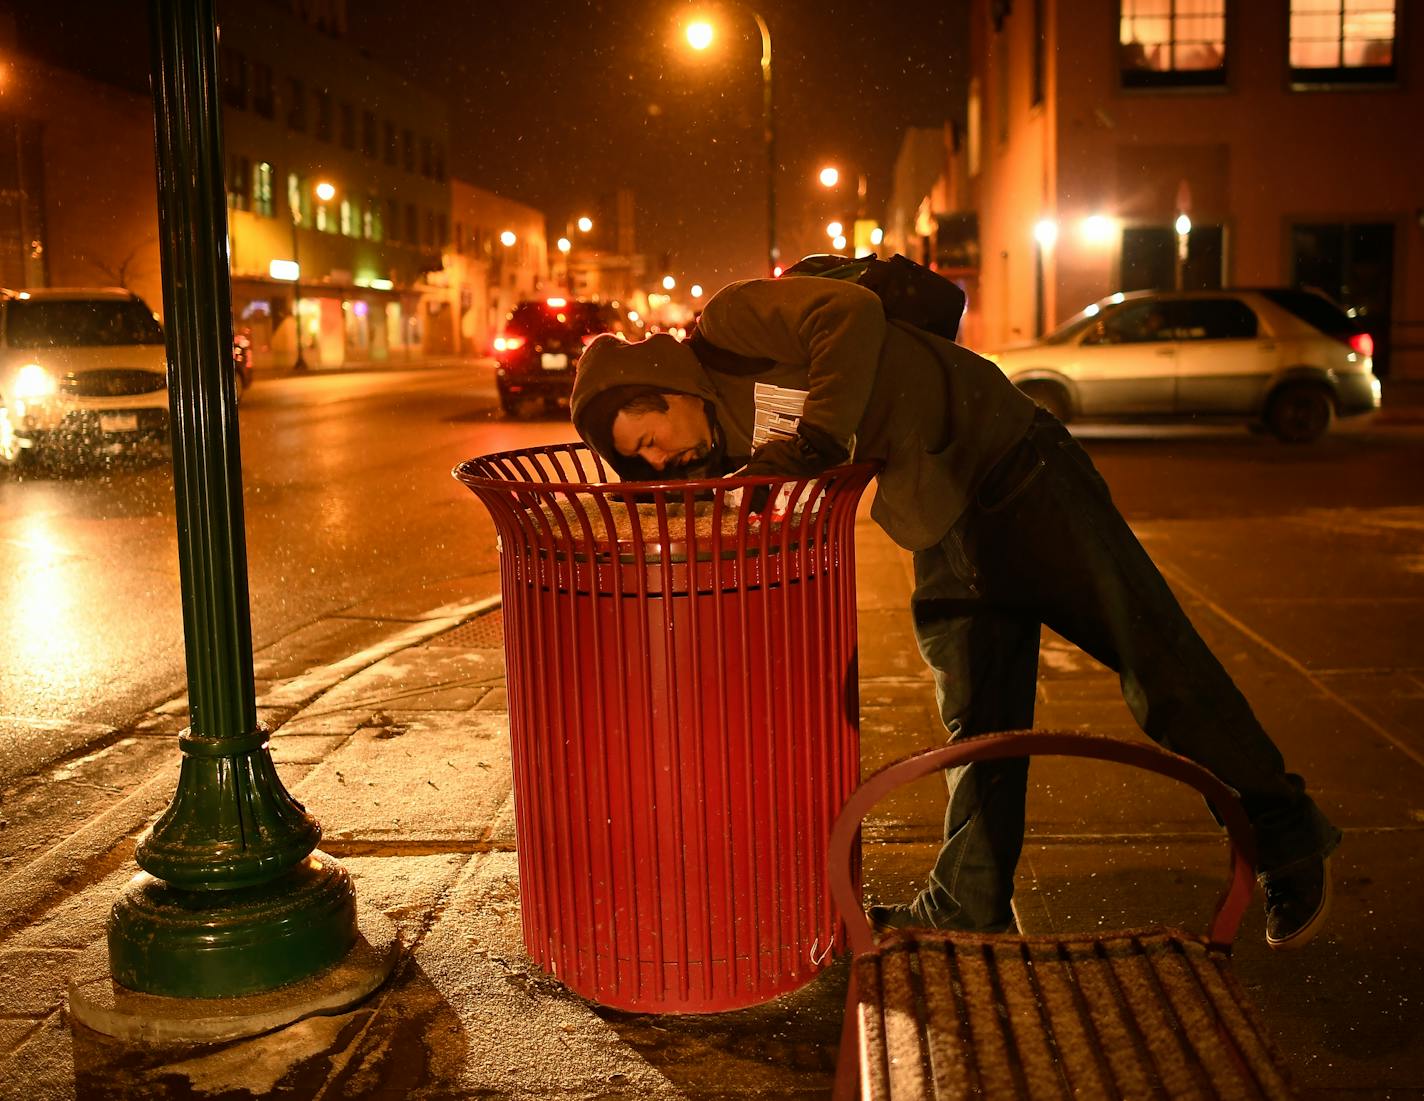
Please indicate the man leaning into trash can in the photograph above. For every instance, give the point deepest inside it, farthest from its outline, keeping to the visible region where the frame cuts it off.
(1011, 527)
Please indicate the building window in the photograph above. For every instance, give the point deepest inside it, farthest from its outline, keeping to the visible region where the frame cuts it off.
(408, 150)
(390, 143)
(427, 158)
(1342, 41)
(296, 105)
(299, 199)
(239, 183)
(1172, 43)
(234, 78)
(262, 201)
(348, 126)
(412, 226)
(349, 228)
(368, 134)
(323, 115)
(263, 99)
(368, 218)
(442, 230)
(392, 220)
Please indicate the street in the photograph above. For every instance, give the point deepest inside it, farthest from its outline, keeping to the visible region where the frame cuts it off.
(349, 506)
(351, 511)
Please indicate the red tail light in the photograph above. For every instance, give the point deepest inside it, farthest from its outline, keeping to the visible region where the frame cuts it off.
(1363, 344)
(508, 343)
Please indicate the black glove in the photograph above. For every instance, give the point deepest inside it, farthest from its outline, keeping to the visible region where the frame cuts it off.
(811, 451)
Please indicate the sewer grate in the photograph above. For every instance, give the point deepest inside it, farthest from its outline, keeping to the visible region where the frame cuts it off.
(484, 632)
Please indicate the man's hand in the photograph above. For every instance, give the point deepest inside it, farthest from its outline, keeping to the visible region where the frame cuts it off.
(810, 452)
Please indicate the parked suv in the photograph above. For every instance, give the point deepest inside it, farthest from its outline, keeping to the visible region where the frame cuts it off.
(1290, 360)
(80, 369)
(542, 341)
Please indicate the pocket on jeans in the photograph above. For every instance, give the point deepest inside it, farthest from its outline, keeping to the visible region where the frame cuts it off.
(1010, 477)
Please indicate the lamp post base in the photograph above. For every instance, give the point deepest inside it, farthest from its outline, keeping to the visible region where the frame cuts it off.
(99, 1003)
(218, 944)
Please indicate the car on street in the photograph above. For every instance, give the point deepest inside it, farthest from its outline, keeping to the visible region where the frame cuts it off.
(540, 344)
(81, 370)
(1284, 359)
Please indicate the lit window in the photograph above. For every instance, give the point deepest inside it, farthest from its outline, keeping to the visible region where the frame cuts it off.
(1342, 41)
(1172, 42)
(262, 201)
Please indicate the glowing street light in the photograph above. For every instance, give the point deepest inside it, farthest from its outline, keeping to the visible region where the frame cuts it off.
(669, 282)
(695, 290)
(1045, 232)
(325, 191)
(834, 229)
(564, 244)
(839, 243)
(585, 224)
(1183, 224)
(829, 176)
(700, 35)
(507, 238)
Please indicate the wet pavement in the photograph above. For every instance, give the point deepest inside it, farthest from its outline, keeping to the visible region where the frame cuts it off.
(401, 749)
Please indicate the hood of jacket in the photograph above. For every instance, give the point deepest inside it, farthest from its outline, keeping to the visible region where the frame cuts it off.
(612, 371)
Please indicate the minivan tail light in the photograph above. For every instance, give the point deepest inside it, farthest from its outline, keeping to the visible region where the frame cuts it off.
(508, 343)
(1363, 344)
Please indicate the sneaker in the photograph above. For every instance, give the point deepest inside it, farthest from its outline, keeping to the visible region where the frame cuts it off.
(1297, 902)
(887, 918)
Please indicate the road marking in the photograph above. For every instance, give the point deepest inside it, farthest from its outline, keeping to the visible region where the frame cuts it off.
(1179, 580)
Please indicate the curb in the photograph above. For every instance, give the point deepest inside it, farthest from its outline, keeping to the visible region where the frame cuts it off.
(31, 888)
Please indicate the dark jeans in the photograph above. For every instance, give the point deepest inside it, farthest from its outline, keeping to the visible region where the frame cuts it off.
(1044, 544)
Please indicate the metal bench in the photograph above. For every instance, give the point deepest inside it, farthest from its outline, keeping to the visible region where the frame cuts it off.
(1130, 1014)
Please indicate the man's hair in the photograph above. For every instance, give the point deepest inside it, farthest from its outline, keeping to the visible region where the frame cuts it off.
(650, 401)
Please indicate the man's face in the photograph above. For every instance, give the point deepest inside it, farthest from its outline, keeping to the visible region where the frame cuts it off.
(677, 442)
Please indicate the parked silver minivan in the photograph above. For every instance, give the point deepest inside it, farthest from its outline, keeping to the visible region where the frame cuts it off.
(1291, 360)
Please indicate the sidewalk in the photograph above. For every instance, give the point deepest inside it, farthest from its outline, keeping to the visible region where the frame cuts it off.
(402, 752)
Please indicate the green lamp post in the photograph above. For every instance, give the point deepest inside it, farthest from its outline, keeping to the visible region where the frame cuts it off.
(233, 897)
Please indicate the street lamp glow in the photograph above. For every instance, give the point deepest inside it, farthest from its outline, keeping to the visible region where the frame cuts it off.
(1098, 229)
(565, 244)
(1184, 224)
(695, 290)
(325, 191)
(669, 282)
(839, 243)
(830, 176)
(834, 229)
(507, 238)
(700, 34)
(877, 235)
(585, 224)
(1046, 232)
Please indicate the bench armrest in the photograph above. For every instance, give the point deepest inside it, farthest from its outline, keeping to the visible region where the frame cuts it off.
(1027, 743)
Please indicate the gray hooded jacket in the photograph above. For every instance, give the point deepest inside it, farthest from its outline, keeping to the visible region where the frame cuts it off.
(937, 415)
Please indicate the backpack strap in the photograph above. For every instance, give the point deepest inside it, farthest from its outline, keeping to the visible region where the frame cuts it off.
(728, 363)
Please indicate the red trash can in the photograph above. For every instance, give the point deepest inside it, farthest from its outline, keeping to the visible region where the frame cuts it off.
(684, 717)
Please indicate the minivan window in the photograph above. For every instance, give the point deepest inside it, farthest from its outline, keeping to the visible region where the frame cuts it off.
(1210, 319)
(35, 323)
(1134, 323)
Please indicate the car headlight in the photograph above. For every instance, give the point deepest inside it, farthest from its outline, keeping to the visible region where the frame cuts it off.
(33, 381)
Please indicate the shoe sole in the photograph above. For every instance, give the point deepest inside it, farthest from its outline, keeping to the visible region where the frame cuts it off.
(1306, 933)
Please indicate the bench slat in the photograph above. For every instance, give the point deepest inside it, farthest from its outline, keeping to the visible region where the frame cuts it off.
(1151, 1014)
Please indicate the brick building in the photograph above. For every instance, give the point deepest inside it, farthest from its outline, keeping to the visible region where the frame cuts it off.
(1286, 132)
